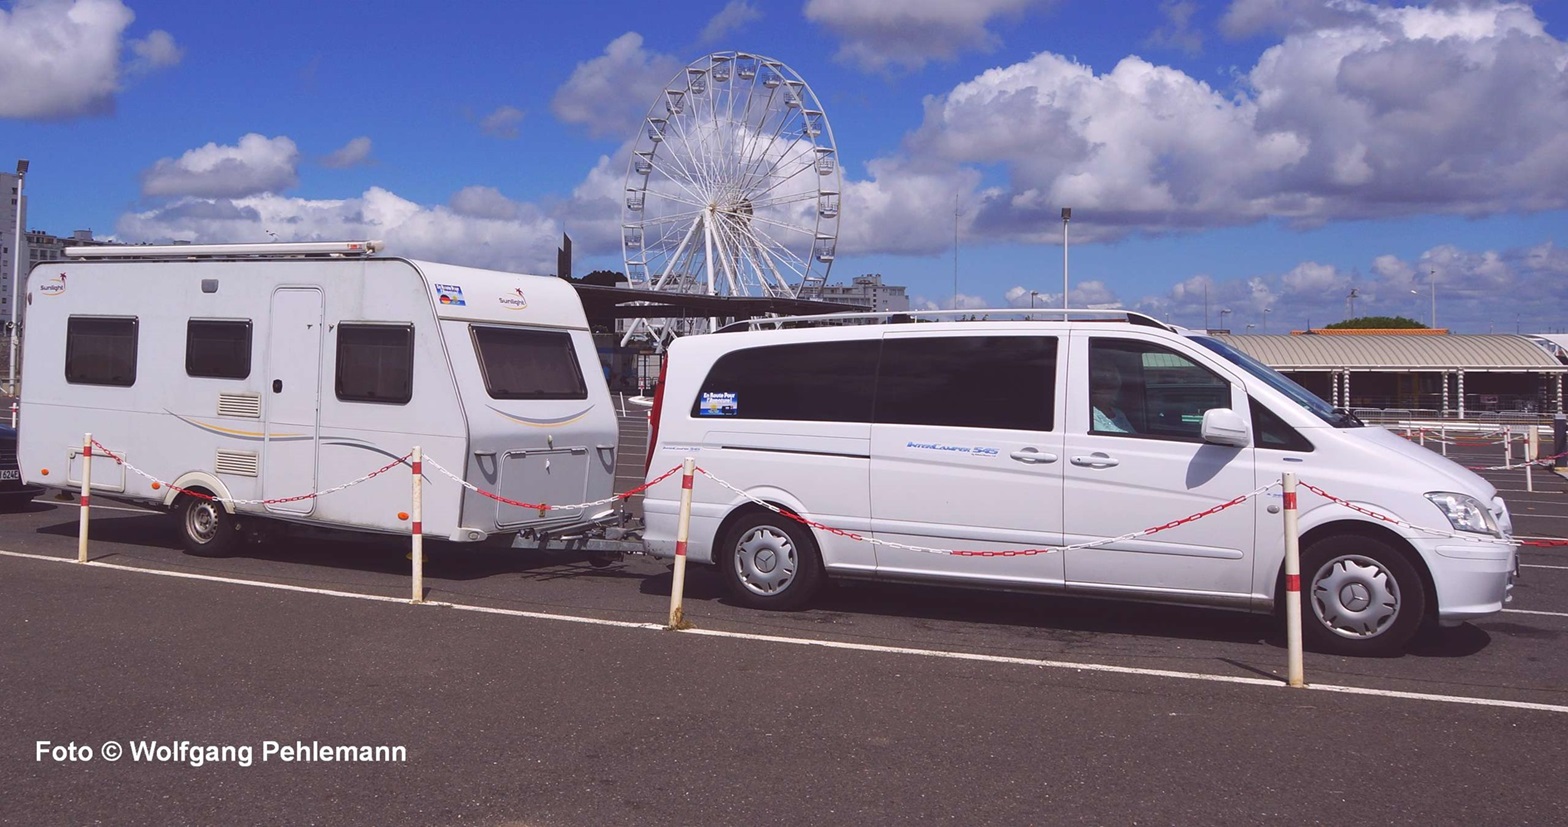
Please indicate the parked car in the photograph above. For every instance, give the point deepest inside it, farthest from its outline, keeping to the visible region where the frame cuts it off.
(13, 494)
(1002, 436)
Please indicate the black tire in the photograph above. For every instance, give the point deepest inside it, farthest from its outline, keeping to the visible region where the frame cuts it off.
(206, 528)
(1360, 596)
(769, 561)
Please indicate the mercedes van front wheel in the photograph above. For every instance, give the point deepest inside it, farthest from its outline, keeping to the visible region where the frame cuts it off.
(770, 561)
(1360, 597)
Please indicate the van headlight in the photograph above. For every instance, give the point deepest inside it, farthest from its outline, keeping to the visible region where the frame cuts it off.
(1465, 513)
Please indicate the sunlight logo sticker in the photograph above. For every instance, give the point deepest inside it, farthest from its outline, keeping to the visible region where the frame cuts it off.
(515, 300)
(54, 286)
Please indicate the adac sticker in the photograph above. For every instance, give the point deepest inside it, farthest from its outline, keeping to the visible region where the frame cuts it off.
(450, 295)
(54, 286)
(515, 300)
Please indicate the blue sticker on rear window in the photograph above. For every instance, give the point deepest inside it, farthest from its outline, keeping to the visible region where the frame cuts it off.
(717, 404)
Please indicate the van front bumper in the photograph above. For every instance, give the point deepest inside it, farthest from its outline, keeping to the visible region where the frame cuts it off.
(1473, 580)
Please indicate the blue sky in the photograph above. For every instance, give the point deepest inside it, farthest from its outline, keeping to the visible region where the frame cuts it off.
(1264, 157)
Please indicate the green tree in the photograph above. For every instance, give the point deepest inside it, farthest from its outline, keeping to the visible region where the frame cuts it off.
(1377, 323)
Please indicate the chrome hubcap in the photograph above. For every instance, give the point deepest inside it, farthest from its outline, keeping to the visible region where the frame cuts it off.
(1355, 597)
(765, 560)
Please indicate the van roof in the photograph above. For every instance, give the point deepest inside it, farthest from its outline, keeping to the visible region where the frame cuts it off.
(1009, 314)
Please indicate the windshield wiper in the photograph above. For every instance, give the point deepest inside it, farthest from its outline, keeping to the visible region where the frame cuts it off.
(1343, 418)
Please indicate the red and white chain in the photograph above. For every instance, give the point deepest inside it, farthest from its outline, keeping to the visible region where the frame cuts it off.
(1026, 552)
(544, 507)
(157, 483)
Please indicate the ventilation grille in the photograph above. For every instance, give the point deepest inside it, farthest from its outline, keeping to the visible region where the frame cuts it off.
(247, 405)
(238, 463)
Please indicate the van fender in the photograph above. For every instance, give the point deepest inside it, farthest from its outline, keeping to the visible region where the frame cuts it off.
(199, 479)
(740, 505)
(1329, 518)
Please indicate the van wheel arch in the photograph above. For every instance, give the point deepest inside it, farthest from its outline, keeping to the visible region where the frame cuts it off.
(1378, 539)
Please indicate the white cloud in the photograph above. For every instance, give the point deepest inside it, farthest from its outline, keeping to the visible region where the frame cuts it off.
(60, 59)
(485, 202)
(155, 51)
(522, 242)
(735, 15)
(502, 123)
(353, 153)
(256, 164)
(1365, 112)
(883, 35)
(907, 208)
(1178, 32)
(610, 94)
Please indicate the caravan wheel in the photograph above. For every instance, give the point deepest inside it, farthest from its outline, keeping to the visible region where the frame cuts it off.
(206, 529)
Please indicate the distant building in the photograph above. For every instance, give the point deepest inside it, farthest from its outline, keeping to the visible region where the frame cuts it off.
(869, 292)
(11, 202)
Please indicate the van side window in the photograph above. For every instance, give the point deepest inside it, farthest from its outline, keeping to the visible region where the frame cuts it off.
(528, 364)
(813, 382)
(968, 381)
(100, 350)
(217, 348)
(375, 363)
(1269, 431)
(1143, 389)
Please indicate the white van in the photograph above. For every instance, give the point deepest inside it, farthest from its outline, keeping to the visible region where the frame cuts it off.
(1014, 435)
(267, 372)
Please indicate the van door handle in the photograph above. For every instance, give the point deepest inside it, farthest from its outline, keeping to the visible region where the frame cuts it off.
(1097, 460)
(1032, 455)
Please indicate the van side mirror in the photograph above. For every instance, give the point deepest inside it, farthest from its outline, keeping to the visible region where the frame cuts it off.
(1223, 426)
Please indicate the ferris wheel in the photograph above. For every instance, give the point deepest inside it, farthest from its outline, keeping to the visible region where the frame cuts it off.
(732, 188)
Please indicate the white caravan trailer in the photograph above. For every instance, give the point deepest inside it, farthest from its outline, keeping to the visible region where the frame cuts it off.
(265, 372)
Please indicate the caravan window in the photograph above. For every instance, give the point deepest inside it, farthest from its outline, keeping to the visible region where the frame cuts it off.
(528, 364)
(100, 350)
(375, 363)
(216, 348)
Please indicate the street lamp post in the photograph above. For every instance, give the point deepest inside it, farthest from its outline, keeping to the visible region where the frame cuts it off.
(1033, 294)
(16, 272)
(1266, 312)
(1224, 311)
(1067, 214)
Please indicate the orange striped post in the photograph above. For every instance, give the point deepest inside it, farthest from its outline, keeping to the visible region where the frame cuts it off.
(677, 613)
(87, 485)
(416, 516)
(1292, 583)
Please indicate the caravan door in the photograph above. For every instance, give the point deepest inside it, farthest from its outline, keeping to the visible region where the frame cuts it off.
(293, 399)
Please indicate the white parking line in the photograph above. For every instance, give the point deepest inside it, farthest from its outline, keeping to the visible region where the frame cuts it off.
(1533, 566)
(833, 644)
(1528, 612)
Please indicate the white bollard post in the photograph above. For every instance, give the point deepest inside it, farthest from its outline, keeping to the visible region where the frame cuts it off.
(1442, 437)
(1532, 450)
(1292, 584)
(1421, 437)
(416, 516)
(677, 612)
(13, 415)
(1508, 445)
(87, 486)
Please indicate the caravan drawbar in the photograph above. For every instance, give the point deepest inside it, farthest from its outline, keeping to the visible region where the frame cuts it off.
(260, 374)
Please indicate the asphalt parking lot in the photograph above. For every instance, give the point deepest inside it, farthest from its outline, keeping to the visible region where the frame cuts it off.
(536, 688)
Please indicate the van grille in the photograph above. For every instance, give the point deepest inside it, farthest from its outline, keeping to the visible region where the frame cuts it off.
(238, 463)
(247, 405)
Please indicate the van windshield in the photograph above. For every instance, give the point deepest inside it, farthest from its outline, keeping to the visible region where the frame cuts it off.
(1337, 417)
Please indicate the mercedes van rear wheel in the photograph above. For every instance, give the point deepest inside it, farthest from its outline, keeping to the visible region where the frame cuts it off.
(206, 528)
(769, 561)
(1360, 597)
